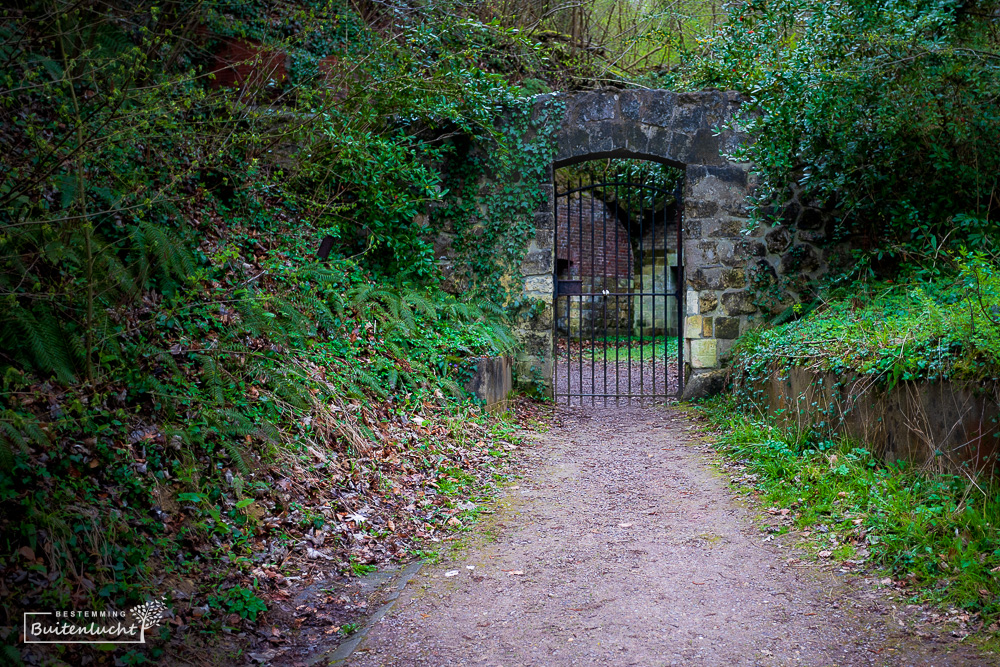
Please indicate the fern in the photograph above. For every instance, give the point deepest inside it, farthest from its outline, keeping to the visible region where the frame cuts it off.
(169, 252)
(237, 455)
(10, 438)
(421, 304)
(232, 425)
(46, 343)
(299, 323)
(213, 378)
(268, 432)
(452, 387)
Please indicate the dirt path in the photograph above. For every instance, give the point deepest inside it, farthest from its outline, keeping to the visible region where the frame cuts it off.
(633, 552)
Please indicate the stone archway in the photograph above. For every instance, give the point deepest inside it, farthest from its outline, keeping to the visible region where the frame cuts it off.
(686, 130)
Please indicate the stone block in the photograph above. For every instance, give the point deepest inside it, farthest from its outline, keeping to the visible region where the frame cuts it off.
(727, 327)
(705, 384)
(730, 173)
(700, 208)
(691, 300)
(704, 353)
(734, 278)
(811, 218)
(659, 110)
(491, 381)
(535, 343)
(692, 229)
(702, 279)
(742, 251)
(536, 263)
(707, 302)
(539, 286)
(778, 240)
(738, 303)
(727, 227)
(706, 327)
(595, 106)
(572, 140)
(702, 253)
(789, 215)
(692, 325)
(600, 139)
(630, 102)
(544, 220)
(688, 117)
(635, 138)
(813, 236)
(543, 320)
(705, 147)
(800, 259)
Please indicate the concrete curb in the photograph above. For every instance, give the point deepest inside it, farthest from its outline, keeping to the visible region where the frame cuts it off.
(344, 651)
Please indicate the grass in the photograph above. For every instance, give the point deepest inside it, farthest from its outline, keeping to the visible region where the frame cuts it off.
(614, 350)
(937, 534)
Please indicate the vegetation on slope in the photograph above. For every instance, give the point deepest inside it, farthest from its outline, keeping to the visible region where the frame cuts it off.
(225, 354)
(942, 329)
(886, 111)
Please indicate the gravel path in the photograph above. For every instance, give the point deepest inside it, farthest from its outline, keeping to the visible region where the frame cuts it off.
(623, 546)
(650, 382)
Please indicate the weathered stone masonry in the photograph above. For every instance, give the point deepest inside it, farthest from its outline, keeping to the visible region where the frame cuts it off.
(692, 131)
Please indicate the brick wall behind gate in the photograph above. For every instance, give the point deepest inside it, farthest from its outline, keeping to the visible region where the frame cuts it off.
(591, 240)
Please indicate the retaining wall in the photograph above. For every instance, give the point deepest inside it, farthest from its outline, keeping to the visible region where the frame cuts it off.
(942, 426)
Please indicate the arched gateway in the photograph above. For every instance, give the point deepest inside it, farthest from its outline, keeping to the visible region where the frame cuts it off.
(691, 131)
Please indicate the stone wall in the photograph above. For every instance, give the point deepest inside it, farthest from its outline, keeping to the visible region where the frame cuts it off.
(687, 130)
(732, 275)
(941, 426)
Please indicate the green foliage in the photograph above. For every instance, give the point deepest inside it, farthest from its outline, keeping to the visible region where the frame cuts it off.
(492, 227)
(885, 109)
(588, 43)
(946, 329)
(166, 330)
(940, 532)
(240, 601)
(632, 200)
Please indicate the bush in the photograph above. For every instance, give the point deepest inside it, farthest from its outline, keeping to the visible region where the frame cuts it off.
(887, 110)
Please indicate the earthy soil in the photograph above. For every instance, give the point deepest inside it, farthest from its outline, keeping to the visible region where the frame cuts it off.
(615, 383)
(623, 545)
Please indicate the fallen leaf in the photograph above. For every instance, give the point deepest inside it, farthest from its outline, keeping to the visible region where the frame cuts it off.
(627, 524)
(451, 573)
(312, 554)
(27, 553)
(825, 554)
(515, 572)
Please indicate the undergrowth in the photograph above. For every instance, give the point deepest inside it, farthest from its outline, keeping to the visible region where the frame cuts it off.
(942, 329)
(938, 536)
(225, 349)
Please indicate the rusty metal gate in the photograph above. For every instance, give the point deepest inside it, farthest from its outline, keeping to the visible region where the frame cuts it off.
(618, 302)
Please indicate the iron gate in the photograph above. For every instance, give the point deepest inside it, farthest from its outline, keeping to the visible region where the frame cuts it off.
(612, 275)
